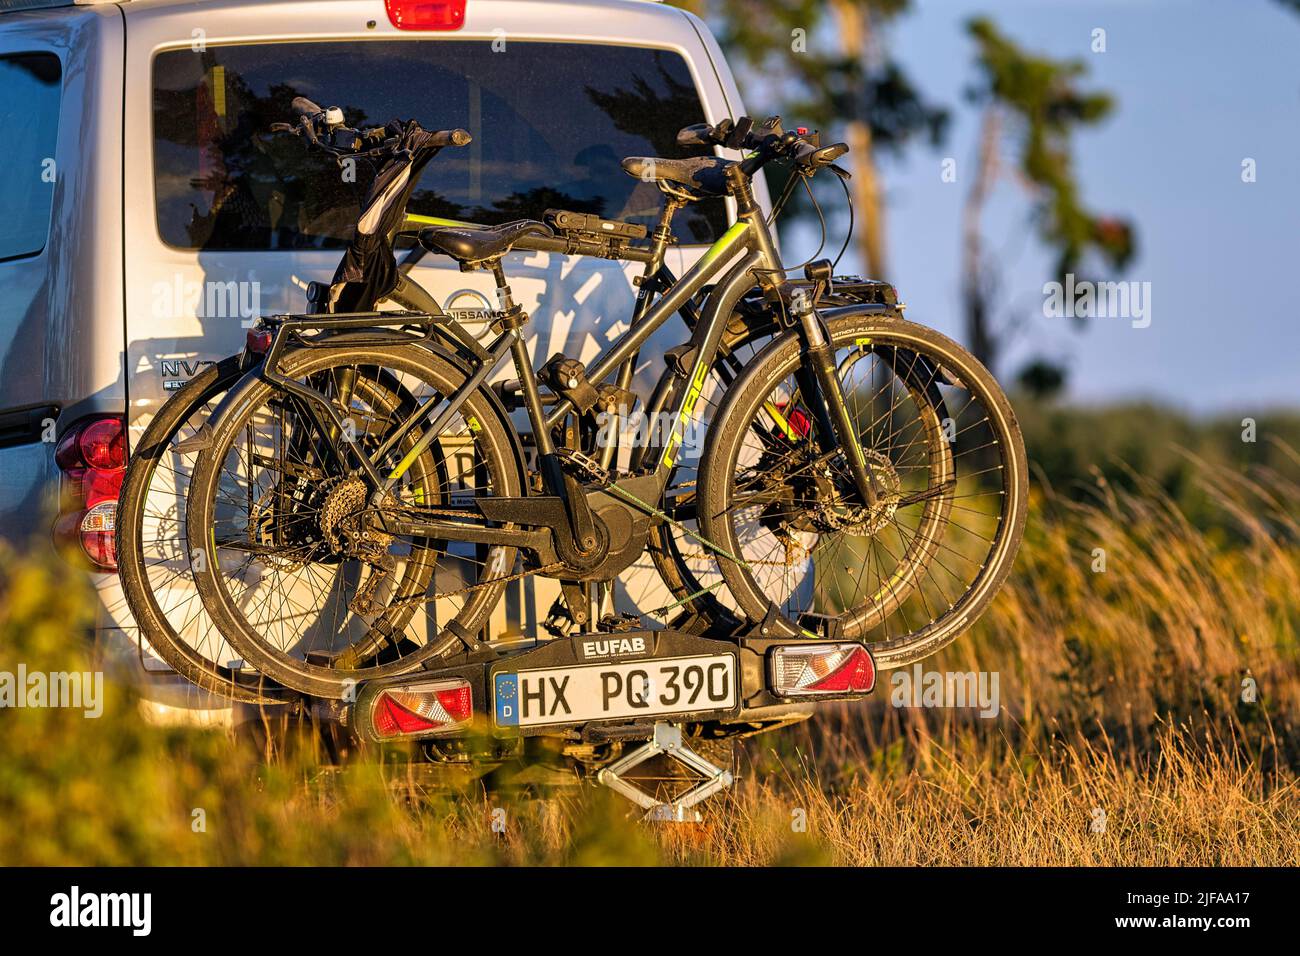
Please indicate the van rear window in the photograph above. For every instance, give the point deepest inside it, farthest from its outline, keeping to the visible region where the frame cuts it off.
(551, 123)
(30, 90)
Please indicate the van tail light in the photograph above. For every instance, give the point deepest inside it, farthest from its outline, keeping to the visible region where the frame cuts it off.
(813, 670)
(417, 710)
(426, 14)
(91, 457)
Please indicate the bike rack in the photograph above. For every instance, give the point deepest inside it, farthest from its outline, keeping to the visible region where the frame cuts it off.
(667, 740)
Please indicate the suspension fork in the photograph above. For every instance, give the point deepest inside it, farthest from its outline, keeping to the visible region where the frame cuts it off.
(830, 407)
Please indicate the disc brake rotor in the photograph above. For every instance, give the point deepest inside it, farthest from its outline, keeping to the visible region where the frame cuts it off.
(861, 520)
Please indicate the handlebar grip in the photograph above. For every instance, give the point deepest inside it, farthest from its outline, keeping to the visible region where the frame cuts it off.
(812, 157)
(701, 134)
(452, 137)
(828, 154)
(304, 107)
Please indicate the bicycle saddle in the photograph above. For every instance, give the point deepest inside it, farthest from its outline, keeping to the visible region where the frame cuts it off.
(474, 245)
(707, 174)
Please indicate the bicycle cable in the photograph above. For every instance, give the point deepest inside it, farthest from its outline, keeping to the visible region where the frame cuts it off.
(821, 218)
(848, 236)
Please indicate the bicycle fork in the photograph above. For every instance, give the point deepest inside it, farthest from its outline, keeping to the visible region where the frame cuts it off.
(833, 410)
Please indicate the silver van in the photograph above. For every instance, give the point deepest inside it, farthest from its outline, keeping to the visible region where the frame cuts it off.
(148, 219)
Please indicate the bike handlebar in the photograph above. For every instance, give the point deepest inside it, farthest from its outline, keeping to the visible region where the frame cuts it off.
(325, 129)
(766, 143)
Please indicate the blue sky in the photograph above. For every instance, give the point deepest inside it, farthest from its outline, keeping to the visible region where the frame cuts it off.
(1200, 85)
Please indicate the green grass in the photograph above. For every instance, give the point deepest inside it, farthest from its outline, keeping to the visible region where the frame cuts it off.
(1120, 692)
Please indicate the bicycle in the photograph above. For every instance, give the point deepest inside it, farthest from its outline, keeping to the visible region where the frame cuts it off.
(297, 476)
(155, 566)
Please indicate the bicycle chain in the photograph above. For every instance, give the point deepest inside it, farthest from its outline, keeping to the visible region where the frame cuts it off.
(429, 598)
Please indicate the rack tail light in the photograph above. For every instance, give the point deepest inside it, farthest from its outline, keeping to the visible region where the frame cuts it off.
(822, 670)
(419, 710)
(91, 457)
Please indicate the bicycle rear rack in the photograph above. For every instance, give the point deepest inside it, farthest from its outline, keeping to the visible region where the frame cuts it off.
(667, 740)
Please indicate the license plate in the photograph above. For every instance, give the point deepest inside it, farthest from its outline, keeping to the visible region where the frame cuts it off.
(647, 688)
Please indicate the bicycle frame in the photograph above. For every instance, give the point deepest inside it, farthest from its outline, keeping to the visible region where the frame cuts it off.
(745, 252)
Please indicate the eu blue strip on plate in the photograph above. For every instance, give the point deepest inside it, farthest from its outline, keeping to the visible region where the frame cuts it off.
(507, 698)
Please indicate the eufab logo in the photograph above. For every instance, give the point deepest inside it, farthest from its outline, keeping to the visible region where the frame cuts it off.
(506, 687)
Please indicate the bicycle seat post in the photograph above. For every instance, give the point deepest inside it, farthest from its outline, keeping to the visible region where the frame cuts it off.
(505, 298)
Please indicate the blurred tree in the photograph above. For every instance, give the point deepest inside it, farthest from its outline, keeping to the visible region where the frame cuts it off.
(1042, 378)
(825, 62)
(1031, 105)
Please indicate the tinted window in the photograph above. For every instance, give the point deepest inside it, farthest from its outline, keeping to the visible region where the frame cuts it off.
(29, 115)
(551, 122)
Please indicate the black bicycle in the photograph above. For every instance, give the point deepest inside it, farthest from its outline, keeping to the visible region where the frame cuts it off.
(360, 506)
(155, 561)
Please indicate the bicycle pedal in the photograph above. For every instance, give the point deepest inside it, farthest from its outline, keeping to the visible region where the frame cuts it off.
(591, 468)
(616, 623)
(559, 622)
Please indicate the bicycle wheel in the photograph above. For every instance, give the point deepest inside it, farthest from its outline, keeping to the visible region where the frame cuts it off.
(909, 573)
(308, 590)
(153, 556)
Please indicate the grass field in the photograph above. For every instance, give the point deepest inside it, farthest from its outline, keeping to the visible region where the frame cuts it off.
(1149, 714)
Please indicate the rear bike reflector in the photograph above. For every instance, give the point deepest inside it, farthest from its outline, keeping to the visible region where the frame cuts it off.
(416, 710)
(811, 670)
(426, 14)
(257, 341)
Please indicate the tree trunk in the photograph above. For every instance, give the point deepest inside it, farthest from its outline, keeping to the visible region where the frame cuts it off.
(855, 42)
(975, 290)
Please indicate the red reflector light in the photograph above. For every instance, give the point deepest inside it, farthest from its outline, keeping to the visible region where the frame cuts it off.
(797, 421)
(415, 710)
(257, 341)
(800, 422)
(457, 703)
(808, 670)
(426, 14)
(394, 720)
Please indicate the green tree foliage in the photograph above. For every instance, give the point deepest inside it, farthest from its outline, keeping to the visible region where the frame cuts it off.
(823, 63)
(1032, 105)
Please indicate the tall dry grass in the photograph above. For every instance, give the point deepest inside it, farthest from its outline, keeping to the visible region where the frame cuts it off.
(1121, 704)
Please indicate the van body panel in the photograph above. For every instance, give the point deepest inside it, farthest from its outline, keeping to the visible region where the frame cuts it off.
(61, 312)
